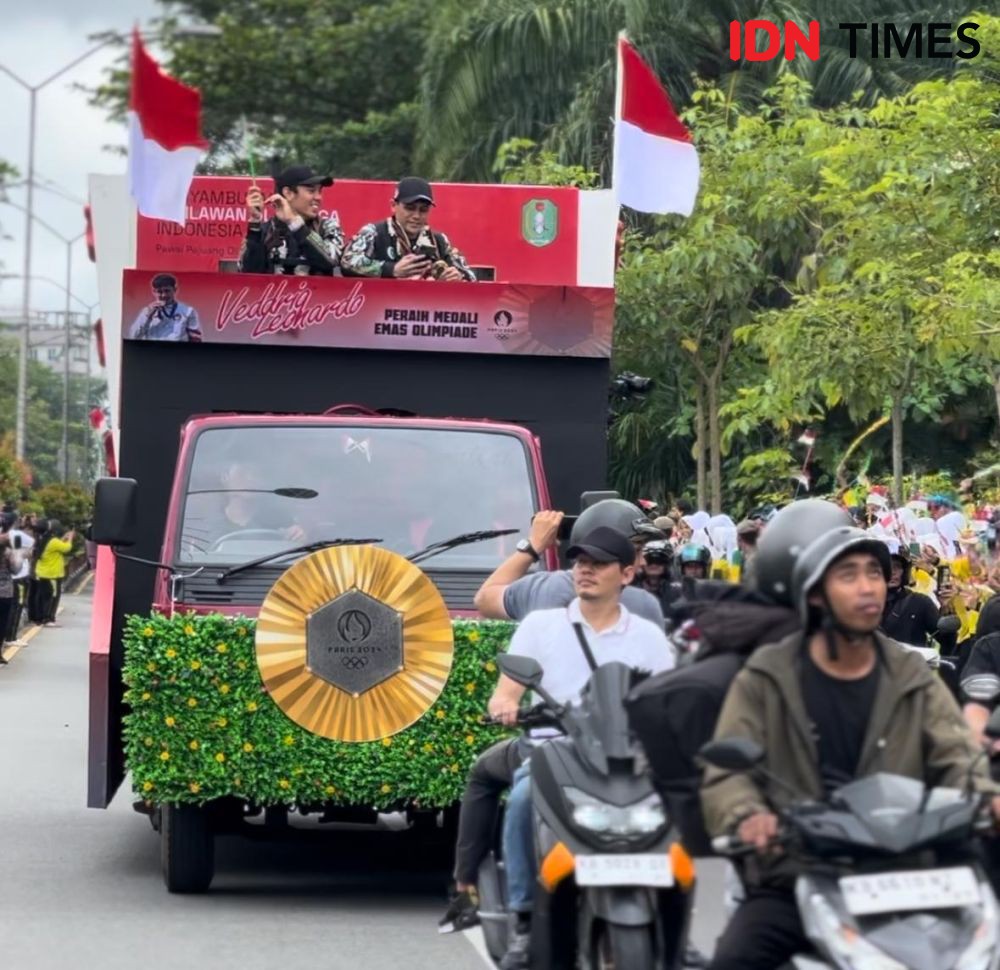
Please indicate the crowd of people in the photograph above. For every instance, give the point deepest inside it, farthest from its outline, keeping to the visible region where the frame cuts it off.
(34, 551)
(789, 627)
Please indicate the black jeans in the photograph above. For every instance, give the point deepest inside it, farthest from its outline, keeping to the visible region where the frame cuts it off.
(6, 608)
(47, 602)
(20, 601)
(764, 932)
(491, 775)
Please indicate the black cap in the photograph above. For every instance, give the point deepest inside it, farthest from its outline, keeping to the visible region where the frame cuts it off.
(604, 544)
(296, 175)
(413, 189)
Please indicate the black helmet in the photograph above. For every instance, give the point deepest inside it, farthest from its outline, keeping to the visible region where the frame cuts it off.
(785, 536)
(814, 561)
(693, 552)
(901, 551)
(612, 513)
(658, 551)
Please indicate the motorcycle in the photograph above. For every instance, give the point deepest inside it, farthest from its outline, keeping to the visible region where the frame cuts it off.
(888, 881)
(615, 887)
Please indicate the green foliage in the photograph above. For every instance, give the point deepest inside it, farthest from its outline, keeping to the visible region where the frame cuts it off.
(202, 725)
(521, 161)
(71, 504)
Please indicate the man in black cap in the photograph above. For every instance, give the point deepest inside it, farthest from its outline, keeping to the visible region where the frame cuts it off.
(165, 318)
(295, 240)
(404, 246)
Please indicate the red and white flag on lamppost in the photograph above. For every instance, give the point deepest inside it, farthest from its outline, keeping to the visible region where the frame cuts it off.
(164, 138)
(655, 162)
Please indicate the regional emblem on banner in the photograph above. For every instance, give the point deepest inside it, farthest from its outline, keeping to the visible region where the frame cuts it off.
(539, 222)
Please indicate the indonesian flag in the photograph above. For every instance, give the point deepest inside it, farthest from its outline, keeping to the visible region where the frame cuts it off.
(164, 138)
(807, 438)
(655, 162)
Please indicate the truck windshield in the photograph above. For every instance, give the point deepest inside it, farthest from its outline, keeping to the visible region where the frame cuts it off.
(256, 490)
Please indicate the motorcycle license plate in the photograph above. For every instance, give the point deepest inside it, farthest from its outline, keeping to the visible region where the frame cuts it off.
(895, 892)
(645, 869)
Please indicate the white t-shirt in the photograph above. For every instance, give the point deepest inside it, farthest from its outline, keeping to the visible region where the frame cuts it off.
(27, 543)
(548, 637)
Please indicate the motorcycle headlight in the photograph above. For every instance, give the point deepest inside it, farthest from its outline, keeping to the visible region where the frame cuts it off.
(980, 952)
(846, 945)
(643, 817)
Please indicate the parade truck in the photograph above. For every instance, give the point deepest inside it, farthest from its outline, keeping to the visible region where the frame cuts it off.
(307, 498)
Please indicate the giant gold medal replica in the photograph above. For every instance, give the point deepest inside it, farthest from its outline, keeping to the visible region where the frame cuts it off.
(354, 643)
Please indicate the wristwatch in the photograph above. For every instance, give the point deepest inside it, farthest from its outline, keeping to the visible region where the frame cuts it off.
(525, 546)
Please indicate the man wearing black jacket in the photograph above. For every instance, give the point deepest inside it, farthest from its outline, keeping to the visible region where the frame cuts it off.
(909, 617)
(295, 241)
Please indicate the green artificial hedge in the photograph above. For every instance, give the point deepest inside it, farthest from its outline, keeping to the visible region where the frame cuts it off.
(201, 724)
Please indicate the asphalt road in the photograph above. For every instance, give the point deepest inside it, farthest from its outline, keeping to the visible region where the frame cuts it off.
(81, 888)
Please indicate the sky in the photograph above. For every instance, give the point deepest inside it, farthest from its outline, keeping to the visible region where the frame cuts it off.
(38, 40)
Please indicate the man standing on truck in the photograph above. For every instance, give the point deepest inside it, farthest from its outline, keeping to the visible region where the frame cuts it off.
(404, 246)
(165, 318)
(295, 241)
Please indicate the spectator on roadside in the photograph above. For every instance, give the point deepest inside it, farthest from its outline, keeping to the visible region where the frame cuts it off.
(10, 563)
(50, 570)
(22, 542)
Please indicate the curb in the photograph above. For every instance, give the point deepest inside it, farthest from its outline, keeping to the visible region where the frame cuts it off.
(30, 635)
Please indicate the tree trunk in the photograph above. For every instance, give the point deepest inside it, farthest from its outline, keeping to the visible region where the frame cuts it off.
(715, 445)
(699, 443)
(996, 392)
(897, 449)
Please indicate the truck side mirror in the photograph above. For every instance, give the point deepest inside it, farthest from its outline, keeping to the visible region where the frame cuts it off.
(116, 502)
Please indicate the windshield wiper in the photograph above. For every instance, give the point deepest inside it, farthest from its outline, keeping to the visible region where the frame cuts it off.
(308, 547)
(286, 491)
(463, 540)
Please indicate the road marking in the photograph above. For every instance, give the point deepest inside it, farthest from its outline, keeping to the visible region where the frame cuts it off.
(28, 635)
(477, 941)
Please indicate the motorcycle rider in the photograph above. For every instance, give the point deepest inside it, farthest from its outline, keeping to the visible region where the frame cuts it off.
(695, 561)
(654, 575)
(568, 642)
(838, 701)
(909, 616)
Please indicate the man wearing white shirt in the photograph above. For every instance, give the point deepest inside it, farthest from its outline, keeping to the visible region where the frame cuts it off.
(22, 542)
(560, 639)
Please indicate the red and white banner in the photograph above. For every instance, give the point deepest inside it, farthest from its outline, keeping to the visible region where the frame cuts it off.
(315, 311)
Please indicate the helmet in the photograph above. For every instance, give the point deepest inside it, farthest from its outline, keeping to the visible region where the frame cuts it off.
(693, 552)
(658, 551)
(899, 550)
(786, 535)
(612, 513)
(814, 561)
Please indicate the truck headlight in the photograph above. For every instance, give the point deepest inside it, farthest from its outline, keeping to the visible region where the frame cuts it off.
(979, 955)
(643, 817)
(845, 943)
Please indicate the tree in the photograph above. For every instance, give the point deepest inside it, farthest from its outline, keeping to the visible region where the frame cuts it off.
(544, 69)
(329, 82)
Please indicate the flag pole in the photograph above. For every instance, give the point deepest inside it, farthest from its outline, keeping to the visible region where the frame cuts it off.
(619, 97)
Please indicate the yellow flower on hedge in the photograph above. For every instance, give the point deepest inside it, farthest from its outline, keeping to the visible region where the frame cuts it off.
(252, 706)
(247, 747)
(148, 742)
(469, 739)
(490, 667)
(164, 756)
(194, 788)
(147, 786)
(220, 757)
(454, 769)
(194, 745)
(222, 647)
(385, 789)
(289, 739)
(473, 636)
(428, 747)
(146, 695)
(151, 667)
(196, 665)
(170, 720)
(222, 721)
(386, 742)
(241, 631)
(192, 702)
(440, 715)
(284, 783)
(470, 688)
(189, 630)
(171, 653)
(330, 790)
(147, 632)
(242, 664)
(223, 688)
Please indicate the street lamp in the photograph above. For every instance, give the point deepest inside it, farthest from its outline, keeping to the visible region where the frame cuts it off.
(194, 30)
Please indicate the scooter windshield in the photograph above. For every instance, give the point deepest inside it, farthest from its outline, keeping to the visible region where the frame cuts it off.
(603, 729)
